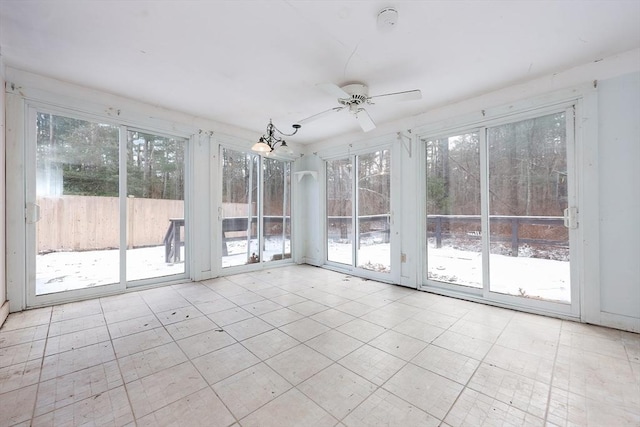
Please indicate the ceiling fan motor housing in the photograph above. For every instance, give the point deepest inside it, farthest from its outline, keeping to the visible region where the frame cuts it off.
(358, 92)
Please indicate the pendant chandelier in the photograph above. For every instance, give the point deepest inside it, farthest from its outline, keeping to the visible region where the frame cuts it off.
(269, 141)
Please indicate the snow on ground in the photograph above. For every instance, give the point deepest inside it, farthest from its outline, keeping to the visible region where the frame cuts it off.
(64, 271)
(372, 254)
(524, 276)
(529, 277)
(237, 251)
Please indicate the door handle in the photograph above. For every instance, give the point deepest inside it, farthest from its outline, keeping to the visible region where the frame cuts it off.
(571, 217)
(32, 213)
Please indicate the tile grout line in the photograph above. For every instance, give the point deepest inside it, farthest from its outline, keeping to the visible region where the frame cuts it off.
(553, 371)
(44, 351)
(117, 360)
(466, 385)
(188, 359)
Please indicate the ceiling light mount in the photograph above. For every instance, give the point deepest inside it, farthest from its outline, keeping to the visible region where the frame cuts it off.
(269, 141)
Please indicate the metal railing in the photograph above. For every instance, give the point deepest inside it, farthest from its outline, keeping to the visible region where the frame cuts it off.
(514, 221)
(439, 226)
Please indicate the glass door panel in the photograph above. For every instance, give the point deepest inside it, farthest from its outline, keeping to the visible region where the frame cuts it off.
(374, 211)
(529, 245)
(454, 246)
(339, 211)
(240, 244)
(76, 190)
(277, 210)
(155, 206)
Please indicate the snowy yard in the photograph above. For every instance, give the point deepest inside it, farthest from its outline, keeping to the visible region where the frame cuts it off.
(237, 251)
(64, 271)
(529, 277)
(525, 276)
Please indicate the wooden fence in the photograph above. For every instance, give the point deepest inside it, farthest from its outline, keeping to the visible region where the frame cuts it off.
(80, 223)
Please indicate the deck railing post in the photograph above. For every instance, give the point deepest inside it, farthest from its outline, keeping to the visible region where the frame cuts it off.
(514, 237)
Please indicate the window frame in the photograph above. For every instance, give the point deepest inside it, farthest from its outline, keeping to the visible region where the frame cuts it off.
(352, 151)
(502, 116)
(22, 109)
(242, 146)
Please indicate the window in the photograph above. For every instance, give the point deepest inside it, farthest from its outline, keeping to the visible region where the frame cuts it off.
(360, 232)
(256, 226)
(88, 218)
(495, 203)
(155, 206)
(529, 243)
(77, 234)
(453, 210)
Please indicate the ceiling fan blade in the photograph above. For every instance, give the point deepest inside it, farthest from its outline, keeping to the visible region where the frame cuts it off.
(333, 90)
(408, 95)
(364, 120)
(319, 115)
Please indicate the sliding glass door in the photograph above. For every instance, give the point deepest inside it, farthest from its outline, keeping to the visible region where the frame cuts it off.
(102, 203)
(373, 211)
(74, 211)
(340, 227)
(454, 248)
(358, 212)
(276, 219)
(528, 183)
(500, 205)
(155, 206)
(256, 209)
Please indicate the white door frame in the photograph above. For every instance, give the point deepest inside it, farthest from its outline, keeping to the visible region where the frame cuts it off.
(571, 310)
(384, 143)
(29, 153)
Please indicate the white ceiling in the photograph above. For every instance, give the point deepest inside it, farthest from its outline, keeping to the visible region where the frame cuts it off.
(243, 62)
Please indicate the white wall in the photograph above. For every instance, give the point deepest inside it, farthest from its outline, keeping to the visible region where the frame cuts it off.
(4, 305)
(308, 231)
(619, 162)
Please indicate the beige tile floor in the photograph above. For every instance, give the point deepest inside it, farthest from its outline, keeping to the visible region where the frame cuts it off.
(303, 346)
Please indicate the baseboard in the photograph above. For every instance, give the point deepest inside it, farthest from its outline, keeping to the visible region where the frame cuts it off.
(618, 321)
(4, 312)
(311, 261)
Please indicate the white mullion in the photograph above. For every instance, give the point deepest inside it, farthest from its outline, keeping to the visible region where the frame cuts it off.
(122, 197)
(355, 224)
(30, 187)
(484, 209)
(284, 205)
(249, 202)
(192, 210)
(572, 200)
(260, 203)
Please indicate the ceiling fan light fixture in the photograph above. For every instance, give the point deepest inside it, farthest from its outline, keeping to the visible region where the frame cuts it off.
(353, 96)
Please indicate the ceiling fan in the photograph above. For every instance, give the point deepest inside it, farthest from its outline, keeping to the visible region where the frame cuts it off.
(353, 96)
